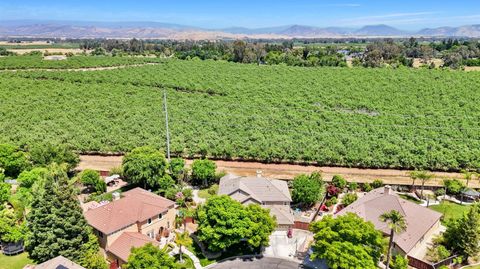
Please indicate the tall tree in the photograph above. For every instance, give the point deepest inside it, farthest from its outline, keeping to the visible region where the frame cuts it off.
(463, 235)
(149, 256)
(347, 242)
(224, 222)
(397, 224)
(424, 176)
(145, 165)
(307, 189)
(56, 222)
(182, 240)
(45, 154)
(203, 172)
(12, 160)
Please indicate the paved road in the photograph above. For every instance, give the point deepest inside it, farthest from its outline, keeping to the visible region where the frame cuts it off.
(262, 263)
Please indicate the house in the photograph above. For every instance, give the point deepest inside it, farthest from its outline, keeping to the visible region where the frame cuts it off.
(422, 223)
(137, 218)
(269, 193)
(59, 262)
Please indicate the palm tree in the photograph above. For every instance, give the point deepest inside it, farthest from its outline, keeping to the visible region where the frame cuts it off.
(467, 175)
(424, 176)
(182, 240)
(397, 224)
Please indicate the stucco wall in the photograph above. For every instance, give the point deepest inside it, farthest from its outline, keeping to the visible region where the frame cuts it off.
(167, 222)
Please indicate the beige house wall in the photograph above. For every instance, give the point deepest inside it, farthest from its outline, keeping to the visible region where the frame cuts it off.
(107, 240)
(428, 236)
(167, 222)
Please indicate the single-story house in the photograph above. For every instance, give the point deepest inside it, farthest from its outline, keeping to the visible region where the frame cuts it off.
(59, 262)
(269, 193)
(137, 218)
(422, 223)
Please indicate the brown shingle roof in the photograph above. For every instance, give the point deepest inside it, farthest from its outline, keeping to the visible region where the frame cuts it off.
(259, 188)
(59, 262)
(135, 206)
(128, 240)
(419, 219)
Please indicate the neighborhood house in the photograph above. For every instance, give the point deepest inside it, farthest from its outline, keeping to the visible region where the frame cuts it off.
(137, 218)
(269, 193)
(422, 223)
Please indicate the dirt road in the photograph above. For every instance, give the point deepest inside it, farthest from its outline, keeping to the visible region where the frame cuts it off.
(289, 171)
(82, 69)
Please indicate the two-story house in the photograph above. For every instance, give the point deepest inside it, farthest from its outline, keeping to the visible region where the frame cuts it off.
(269, 193)
(137, 218)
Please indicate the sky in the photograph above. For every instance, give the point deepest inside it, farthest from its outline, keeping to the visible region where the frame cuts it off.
(403, 14)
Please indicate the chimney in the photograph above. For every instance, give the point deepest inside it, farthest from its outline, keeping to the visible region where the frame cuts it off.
(388, 190)
(259, 173)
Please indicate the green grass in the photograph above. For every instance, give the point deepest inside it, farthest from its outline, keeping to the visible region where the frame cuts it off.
(205, 192)
(14, 262)
(473, 267)
(450, 210)
(410, 198)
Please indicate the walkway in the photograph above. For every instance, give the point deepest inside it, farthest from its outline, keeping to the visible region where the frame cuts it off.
(195, 260)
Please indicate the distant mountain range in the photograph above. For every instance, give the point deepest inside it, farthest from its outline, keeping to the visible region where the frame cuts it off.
(159, 30)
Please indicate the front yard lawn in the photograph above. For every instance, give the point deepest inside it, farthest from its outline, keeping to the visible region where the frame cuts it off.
(450, 210)
(206, 193)
(14, 262)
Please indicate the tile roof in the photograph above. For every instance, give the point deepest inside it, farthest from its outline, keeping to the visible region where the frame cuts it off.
(135, 206)
(258, 188)
(419, 219)
(59, 262)
(128, 240)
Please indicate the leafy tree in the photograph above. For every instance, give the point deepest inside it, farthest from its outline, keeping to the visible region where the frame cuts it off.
(12, 228)
(149, 256)
(13, 160)
(182, 240)
(397, 224)
(352, 186)
(453, 186)
(5, 193)
(46, 154)
(56, 222)
(91, 257)
(307, 189)
(339, 181)
(177, 168)
(144, 165)
(349, 198)
(203, 172)
(224, 222)
(26, 179)
(347, 242)
(463, 235)
(399, 262)
(91, 178)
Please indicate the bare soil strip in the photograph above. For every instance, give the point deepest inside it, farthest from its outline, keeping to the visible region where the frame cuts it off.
(289, 171)
(78, 69)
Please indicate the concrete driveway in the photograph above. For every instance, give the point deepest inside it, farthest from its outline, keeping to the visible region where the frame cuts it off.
(283, 247)
(258, 263)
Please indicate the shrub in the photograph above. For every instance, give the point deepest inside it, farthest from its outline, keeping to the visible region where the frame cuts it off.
(307, 189)
(332, 191)
(352, 186)
(91, 178)
(440, 192)
(213, 189)
(339, 181)
(366, 187)
(454, 186)
(399, 262)
(377, 183)
(437, 253)
(349, 198)
(331, 201)
(116, 171)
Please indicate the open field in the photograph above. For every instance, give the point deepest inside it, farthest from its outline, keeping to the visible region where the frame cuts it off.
(49, 50)
(355, 117)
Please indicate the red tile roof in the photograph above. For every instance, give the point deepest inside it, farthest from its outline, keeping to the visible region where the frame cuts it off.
(128, 240)
(136, 205)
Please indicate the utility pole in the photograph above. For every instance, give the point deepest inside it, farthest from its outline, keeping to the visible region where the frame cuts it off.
(166, 123)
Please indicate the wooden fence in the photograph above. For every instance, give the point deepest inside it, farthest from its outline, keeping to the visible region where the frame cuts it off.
(419, 264)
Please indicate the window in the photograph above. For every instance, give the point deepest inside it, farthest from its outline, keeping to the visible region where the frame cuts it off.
(149, 221)
(160, 216)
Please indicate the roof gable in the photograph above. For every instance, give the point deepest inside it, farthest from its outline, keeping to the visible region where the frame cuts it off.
(258, 188)
(136, 205)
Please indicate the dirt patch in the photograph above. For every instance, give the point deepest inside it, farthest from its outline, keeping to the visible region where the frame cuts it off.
(49, 50)
(289, 171)
(417, 62)
(472, 68)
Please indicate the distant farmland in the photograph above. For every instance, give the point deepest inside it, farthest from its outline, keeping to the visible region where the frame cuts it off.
(392, 118)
